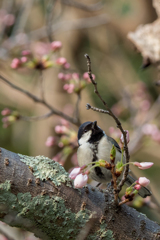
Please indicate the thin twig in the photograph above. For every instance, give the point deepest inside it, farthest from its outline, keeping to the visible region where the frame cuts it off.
(35, 118)
(124, 201)
(60, 26)
(38, 100)
(49, 18)
(42, 85)
(88, 106)
(93, 7)
(125, 173)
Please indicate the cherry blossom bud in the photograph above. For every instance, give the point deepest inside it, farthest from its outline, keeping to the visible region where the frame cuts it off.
(80, 180)
(56, 45)
(67, 76)
(6, 111)
(50, 141)
(74, 172)
(66, 65)
(61, 76)
(143, 165)
(127, 137)
(87, 78)
(137, 187)
(24, 59)
(60, 129)
(61, 61)
(26, 52)
(75, 76)
(71, 88)
(143, 181)
(15, 63)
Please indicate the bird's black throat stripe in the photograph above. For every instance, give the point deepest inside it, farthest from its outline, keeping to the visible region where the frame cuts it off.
(97, 169)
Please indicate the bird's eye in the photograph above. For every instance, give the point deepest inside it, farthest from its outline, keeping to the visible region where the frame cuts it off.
(85, 130)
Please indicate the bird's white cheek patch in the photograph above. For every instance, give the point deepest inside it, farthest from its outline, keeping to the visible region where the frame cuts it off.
(86, 136)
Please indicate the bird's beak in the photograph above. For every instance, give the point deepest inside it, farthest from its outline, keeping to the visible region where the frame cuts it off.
(94, 125)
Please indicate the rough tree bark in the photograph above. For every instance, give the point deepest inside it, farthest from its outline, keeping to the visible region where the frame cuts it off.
(37, 195)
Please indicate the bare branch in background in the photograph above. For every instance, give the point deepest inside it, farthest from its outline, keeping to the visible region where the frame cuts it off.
(62, 26)
(49, 18)
(125, 173)
(41, 101)
(94, 7)
(36, 118)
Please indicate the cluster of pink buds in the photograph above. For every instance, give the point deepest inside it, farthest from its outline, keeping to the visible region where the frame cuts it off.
(66, 139)
(41, 57)
(135, 187)
(80, 177)
(9, 117)
(73, 82)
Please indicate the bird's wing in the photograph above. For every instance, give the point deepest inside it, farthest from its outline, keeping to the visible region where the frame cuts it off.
(115, 143)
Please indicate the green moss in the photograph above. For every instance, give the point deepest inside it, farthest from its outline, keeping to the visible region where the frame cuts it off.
(45, 168)
(41, 212)
(102, 233)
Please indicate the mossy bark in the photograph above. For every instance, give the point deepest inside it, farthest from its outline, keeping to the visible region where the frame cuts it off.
(37, 195)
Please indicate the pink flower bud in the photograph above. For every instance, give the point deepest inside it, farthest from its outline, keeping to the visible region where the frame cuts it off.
(74, 172)
(143, 181)
(56, 45)
(87, 78)
(71, 88)
(67, 76)
(127, 137)
(66, 87)
(5, 120)
(61, 76)
(15, 63)
(66, 65)
(143, 165)
(80, 180)
(60, 129)
(26, 52)
(61, 61)
(50, 141)
(6, 111)
(61, 145)
(75, 76)
(137, 187)
(24, 59)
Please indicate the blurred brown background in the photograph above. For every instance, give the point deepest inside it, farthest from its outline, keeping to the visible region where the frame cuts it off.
(99, 29)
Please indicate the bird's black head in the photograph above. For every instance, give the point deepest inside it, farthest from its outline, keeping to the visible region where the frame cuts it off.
(89, 132)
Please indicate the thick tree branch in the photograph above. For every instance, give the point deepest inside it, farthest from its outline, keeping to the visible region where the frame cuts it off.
(37, 195)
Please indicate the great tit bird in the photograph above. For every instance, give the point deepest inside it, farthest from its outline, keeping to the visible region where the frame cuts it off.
(94, 144)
